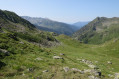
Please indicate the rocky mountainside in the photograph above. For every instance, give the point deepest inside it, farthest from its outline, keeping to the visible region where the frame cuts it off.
(98, 31)
(12, 22)
(51, 26)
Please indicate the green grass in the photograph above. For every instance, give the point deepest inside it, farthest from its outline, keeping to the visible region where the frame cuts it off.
(101, 53)
(24, 56)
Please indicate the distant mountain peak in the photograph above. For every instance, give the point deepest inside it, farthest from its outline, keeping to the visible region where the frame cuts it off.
(53, 26)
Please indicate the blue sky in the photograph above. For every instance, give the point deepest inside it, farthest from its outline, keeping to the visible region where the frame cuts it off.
(69, 11)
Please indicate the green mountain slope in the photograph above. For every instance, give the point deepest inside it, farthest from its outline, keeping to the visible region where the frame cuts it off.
(99, 30)
(32, 54)
(52, 26)
(12, 22)
(14, 30)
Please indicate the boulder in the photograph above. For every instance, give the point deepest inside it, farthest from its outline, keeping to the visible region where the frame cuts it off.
(110, 75)
(62, 54)
(116, 76)
(45, 71)
(38, 59)
(4, 51)
(30, 69)
(93, 77)
(96, 72)
(93, 66)
(76, 70)
(87, 70)
(57, 57)
(66, 69)
(86, 61)
(21, 42)
(109, 62)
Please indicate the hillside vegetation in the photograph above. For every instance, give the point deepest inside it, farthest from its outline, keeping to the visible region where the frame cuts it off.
(98, 31)
(29, 53)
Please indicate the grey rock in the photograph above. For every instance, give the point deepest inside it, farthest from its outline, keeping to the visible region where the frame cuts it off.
(45, 71)
(109, 62)
(110, 75)
(66, 69)
(75, 70)
(38, 59)
(93, 66)
(21, 42)
(96, 72)
(30, 69)
(4, 51)
(87, 70)
(116, 76)
(57, 57)
(62, 54)
(93, 77)
(86, 61)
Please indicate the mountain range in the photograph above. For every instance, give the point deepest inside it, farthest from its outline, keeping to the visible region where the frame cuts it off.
(52, 26)
(28, 52)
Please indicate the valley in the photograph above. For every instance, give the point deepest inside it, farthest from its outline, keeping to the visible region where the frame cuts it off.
(30, 53)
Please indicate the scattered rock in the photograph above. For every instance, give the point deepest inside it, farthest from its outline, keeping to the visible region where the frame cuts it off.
(62, 54)
(98, 74)
(93, 66)
(57, 57)
(45, 71)
(93, 77)
(86, 61)
(21, 42)
(116, 76)
(4, 51)
(75, 70)
(38, 59)
(110, 75)
(87, 70)
(30, 69)
(66, 69)
(109, 62)
(96, 61)
(23, 74)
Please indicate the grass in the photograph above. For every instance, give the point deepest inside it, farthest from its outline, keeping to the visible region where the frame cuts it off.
(101, 53)
(23, 64)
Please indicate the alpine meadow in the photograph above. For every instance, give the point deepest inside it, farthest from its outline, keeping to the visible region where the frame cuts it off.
(43, 39)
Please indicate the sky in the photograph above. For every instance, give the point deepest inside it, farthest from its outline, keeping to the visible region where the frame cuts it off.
(69, 11)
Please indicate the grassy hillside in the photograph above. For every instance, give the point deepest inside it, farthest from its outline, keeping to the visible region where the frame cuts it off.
(28, 53)
(101, 29)
(100, 55)
(52, 26)
(29, 61)
(12, 22)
